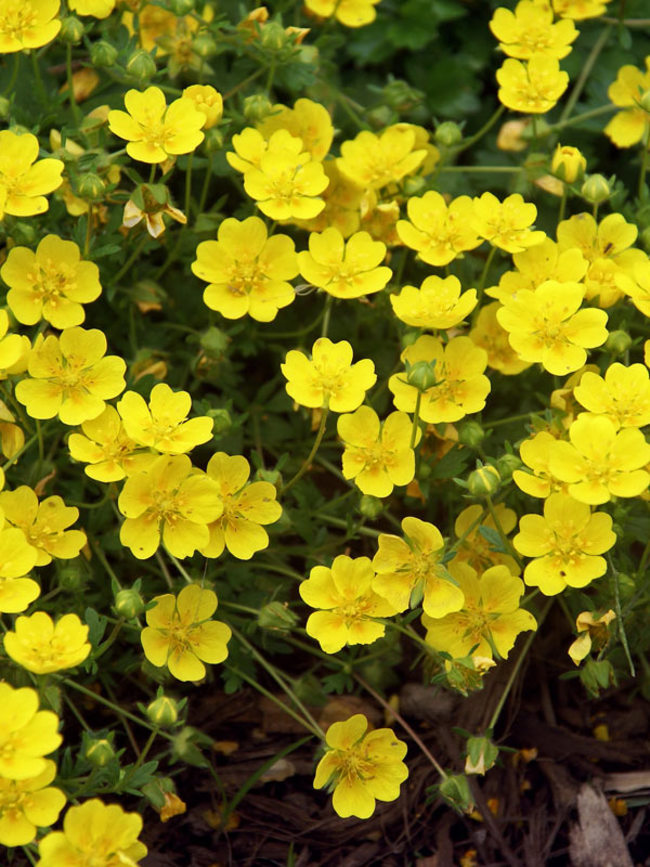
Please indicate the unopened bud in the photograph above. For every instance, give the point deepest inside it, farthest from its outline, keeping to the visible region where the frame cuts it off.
(182, 7)
(422, 375)
(128, 603)
(413, 186)
(568, 163)
(400, 95)
(141, 65)
(471, 434)
(4, 107)
(278, 616)
(257, 106)
(596, 189)
(91, 187)
(506, 466)
(222, 421)
(371, 507)
(100, 752)
(448, 134)
(72, 30)
(381, 116)
(481, 755)
(644, 102)
(618, 342)
(484, 482)
(214, 342)
(213, 141)
(103, 54)
(204, 45)
(455, 791)
(163, 711)
(273, 36)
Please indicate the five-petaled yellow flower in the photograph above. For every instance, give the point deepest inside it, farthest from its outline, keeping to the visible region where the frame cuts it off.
(24, 179)
(162, 424)
(26, 24)
(344, 269)
(41, 646)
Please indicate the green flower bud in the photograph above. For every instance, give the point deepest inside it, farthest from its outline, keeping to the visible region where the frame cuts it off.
(72, 30)
(182, 7)
(409, 338)
(91, 187)
(222, 421)
(103, 54)
(371, 507)
(465, 674)
(455, 791)
(644, 102)
(645, 239)
(213, 141)
(128, 603)
(618, 342)
(141, 66)
(481, 755)
(471, 434)
(596, 189)
(23, 232)
(381, 116)
(448, 134)
(273, 36)
(484, 482)
(205, 46)
(214, 342)
(277, 616)
(307, 54)
(72, 574)
(421, 375)
(99, 752)
(414, 186)
(399, 95)
(163, 711)
(257, 106)
(506, 465)
(4, 107)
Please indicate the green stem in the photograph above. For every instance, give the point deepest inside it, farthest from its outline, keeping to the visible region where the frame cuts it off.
(339, 522)
(504, 538)
(327, 312)
(243, 83)
(145, 750)
(619, 616)
(482, 131)
(584, 73)
(89, 230)
(560, 215)
(14, 75)
(507, 169)
(188, 185)
(39, 82)
(587, 115)
(508, 420)
(76, 112)
(303, 469)
(12, 460)
(484, 272)
(152, 173)
(206, 184)
(645, 143)
(132, 258)
(416, 420)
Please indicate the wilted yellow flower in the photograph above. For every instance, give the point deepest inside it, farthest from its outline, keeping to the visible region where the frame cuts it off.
(591, 631)
(39, 645)
(344, 269)
(24, 179)
(26, 24)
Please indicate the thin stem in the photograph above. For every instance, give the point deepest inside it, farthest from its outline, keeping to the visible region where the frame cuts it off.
(327, 312)
(243, 83)
(585, 73)
(504, 538)
(587, 115)
(152, 173)
(89, 230)
(563, 200)
(339, 522)
(507, 169)
(303, 469)
(76, 113)
(39, 80)
(145, 750)
(14, 74)
(619, 616)
(188, 185)
(132, 258)
(484, 272)
(206, 184)
(645, 142)
(482, 131)
(12, 460)
(416, 420)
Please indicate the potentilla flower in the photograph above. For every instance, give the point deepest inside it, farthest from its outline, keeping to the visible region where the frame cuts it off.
(70, 376)
(475, 549)
(162, 424)
(105, 446)
(39, 645)
(27, 24)
(246, 507)
(377, 455)
(207, 100)
(94, 833)
(51, 283)
(591, 631)
(24, 179)
(250, 146)
(307, 120)
(568, 163)
(637, 286)
(565, 544)
(342, 200)
(181, 634)
(155, 131)
(328, 379)
(344, 269)
(410, 570)
(548, 326)
(506, 224)
(600, 462)
(534, 86)
(96, 8)
(373, 161)
(14, 349)
(351, 13)
(156, 26)
(623, 395)
(579, 10)
(44, 524)
(349, 605)
(490, 336)
(17, 558)
(629, 126)
(438, 303)
(169, 502)
(438, 231)
(28, 804)
(545, 261)
(490, 619)
(535, 453)
(530, 31)
(361, 766)
(461, 386)
(26, 733)
(248, 272)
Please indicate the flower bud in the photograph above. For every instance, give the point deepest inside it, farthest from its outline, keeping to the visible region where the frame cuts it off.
(222, 421)
(484, 482)
(213, 141)
(141, 66)
(72, 30)
(205, 46)
(128, 603)
(455, 791)
(371, 507)
(4, 107)
(256, 107)
(645, 239)
(103, 54)
(381, 116)
(214, 342)
(471, 434)
(618, 342)
(273, 36)
(23, 232)
(72, 574)
(91, 187)
(568, 163)
(182, 7)
(414, 186)
(644, 102)
(399, 95)
(99, 752)
(448, 134)
(163, 711)
(506, 466)
(596, 189)
(277, 616)
(481, 755)
(422, 375)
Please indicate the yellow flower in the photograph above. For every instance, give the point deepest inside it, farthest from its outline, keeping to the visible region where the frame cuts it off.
(105, 446)
(96, 8)
(363, 767)
(24, 179)
(490, 619)
(410, 570)
(207, 100)
(490, 336)
(548, 326)
(533, 87)
(344, 269)
(461, 386)
(342, 199)
(248, 272)
(51, 283)
(568, 163)
(71, 377)
(155, 131)
(623, 395)
(246, 506)
(28, 804)
(42, 647)
(373, 161)
(600, 463)
(181, 634)
(351, 13)
(328, 379)
(590, 631)
(506, 224)
(530, 31)
(545, 261)
(349, 605)
(565, 544)
(26, 733)
(171, 502)
(579, 9)
(377, 455)
(436, 304)
(250, 146)
(155, 24)
(94, 833)
(475, 549)
(14, 349)
(439, 232)
(44, 524)
(162, 424)
(535, 453)
(27, 24)
(629, 126)
(637, 285)
(17, 558)
(12, 437)
(307, 120)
